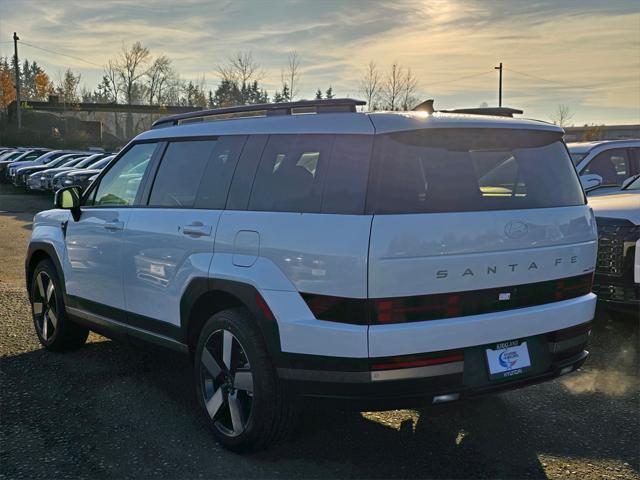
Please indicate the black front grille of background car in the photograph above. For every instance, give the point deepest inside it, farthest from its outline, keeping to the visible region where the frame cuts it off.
(614, 279)
(611, 238)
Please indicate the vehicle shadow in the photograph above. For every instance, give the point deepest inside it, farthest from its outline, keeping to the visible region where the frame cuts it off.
(110, 410)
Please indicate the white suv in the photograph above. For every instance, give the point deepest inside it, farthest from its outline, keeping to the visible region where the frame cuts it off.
(308, 250)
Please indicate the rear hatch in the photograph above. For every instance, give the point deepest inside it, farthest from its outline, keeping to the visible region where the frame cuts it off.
(475, 209)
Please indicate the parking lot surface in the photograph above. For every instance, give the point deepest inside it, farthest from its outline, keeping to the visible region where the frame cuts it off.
(110, 410)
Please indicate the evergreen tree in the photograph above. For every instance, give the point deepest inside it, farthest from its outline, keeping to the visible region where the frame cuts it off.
(329, 93)
(277, 97)
(286, 94)
(318, 94)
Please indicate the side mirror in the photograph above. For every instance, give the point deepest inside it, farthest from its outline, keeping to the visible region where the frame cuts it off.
(68, 198)
(590, 181)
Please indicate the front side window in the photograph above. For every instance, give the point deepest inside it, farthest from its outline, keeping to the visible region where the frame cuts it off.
(178, 178)
(120, 184)
(611, 165)
(453, 170)
(289, 178)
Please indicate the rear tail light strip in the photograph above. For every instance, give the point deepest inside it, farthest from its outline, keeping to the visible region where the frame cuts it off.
(382, 311)
(411, 367)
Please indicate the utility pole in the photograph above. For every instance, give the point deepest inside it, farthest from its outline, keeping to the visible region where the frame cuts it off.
(16, 65)
(500, 85)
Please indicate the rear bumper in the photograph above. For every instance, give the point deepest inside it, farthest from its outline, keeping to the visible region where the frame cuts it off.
(562, 352)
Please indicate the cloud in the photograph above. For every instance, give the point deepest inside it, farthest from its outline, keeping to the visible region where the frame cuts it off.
(583, 53)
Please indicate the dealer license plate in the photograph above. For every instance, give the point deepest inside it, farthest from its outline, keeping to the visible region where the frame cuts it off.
(508, 359)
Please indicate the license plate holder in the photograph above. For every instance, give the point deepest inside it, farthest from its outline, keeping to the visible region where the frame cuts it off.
(508, 359)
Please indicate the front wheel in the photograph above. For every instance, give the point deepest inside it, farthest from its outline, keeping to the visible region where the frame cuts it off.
(54, 329)
(246, 405)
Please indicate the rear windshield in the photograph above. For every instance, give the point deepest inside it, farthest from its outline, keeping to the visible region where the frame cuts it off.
(455, 170)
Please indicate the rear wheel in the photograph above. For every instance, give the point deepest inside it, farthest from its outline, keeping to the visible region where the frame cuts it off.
(54, 329)
(246, 405)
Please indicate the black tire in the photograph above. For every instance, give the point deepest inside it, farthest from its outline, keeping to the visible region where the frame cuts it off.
(55, 331)
(267, 412)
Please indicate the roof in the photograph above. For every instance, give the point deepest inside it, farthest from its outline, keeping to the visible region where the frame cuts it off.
(583, 147)
(334, 121)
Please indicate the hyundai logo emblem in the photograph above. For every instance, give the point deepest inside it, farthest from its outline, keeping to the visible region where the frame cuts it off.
(516, 229)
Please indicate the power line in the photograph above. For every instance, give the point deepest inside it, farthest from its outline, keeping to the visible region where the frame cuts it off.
(459, 78)
(61, 54)
(535, 77)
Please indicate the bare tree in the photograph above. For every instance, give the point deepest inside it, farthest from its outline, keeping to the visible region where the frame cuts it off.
(291, 75)
(131, 67)
(111, 75)
(158, 77)
(370, 86)
(562, 115)
(240, 68)
(393, 87)
(409, 88)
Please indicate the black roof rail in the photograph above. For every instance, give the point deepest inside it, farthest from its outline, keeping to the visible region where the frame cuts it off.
(495, 111)
(330, 105)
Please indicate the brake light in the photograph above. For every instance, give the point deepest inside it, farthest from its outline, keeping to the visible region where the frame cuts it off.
(411, 309)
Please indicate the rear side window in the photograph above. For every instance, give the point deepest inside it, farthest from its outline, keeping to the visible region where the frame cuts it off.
(180, 172)
(216, 179)
(291, 173)
(453, 170)
(345, 187)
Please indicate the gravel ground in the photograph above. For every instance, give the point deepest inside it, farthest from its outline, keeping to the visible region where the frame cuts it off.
(112, 411)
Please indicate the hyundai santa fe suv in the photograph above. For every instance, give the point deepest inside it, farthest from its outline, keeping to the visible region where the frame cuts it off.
(378, 260)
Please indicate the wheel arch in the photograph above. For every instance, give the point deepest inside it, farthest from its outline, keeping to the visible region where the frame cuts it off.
(36, 252)
(205, 297)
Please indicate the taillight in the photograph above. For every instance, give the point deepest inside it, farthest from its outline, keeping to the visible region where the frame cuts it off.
(412, 309)
(418, 308)
(392, 363)
(338, 309)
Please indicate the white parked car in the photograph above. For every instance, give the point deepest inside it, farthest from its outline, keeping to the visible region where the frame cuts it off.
(603, 166)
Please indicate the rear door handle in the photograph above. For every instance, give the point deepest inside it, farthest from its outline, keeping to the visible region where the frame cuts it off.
(114, 225)
(196, 229)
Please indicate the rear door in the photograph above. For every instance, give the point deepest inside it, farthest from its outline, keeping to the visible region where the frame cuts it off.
(169, 241)
(460, 210)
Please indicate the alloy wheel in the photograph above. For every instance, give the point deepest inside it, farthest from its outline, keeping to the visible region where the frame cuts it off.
(45, 306)
(227, 382)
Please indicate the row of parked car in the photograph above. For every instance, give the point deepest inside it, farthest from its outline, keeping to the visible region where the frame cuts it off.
(39, 169)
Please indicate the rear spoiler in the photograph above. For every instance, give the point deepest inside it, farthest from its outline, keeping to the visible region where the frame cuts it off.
(427, 106)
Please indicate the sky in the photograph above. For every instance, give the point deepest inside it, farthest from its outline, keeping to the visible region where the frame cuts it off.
(582, 53)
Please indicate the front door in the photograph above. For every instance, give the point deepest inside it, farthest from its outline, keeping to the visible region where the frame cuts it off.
(169, 242)
(93, 261)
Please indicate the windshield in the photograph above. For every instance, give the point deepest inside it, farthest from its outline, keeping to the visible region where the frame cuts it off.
(71, 163)
(453, 170)
(88, 161)
(10, 155)
(576, 157)
(101, 164)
